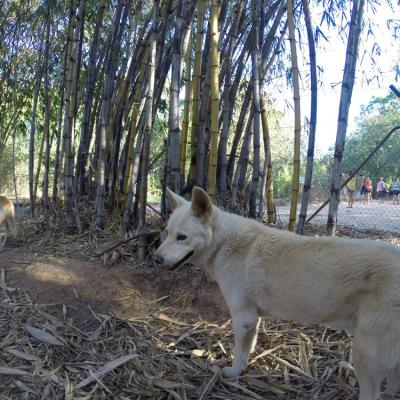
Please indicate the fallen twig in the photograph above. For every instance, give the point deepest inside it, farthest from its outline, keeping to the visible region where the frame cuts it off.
(120, 243)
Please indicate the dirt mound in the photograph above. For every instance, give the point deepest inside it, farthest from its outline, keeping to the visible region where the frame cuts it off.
(121, 290)
(46, 354)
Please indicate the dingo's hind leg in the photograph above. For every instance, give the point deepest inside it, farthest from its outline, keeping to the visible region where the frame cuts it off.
(369, 367)
(245, 327)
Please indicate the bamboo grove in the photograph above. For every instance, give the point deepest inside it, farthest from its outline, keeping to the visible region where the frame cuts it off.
(88, 81)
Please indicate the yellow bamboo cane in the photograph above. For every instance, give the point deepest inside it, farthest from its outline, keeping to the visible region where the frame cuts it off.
(212, 158)
(297, 119)
(186, 110)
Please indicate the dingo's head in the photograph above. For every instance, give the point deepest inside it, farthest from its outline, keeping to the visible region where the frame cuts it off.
(189, 230)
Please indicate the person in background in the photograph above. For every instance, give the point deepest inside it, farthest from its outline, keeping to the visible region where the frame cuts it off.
(390, 183)
(380, 190)
(396, 190)
(368, 189)
(362, 186)
(351, 187)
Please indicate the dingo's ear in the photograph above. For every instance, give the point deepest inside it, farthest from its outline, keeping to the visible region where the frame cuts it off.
(175, 200)
(201, 203)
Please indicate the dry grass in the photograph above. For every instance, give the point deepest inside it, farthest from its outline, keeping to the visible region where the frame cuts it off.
(46, 356)
(156, 357)
(59, 240)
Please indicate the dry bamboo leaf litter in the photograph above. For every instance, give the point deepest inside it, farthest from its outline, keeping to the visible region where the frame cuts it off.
(162, 357)
(42, 336)
(156, 355)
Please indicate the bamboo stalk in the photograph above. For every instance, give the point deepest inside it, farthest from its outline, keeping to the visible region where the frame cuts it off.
(297, 119)
(268, 185)
(38, 79)
(214, 92)
(186, 112)
(70, 113)
(201, 5)
(39, 165)
(133, 123)
(227, 108)
(105, 110)
(313, 120)
(344, 106)
(256, 10)
(142, 245)
(46, 131)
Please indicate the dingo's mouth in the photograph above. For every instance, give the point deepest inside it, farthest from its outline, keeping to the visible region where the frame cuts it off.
(183, 261)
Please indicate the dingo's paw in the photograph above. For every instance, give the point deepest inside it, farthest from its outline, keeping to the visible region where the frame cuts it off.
(230, 372)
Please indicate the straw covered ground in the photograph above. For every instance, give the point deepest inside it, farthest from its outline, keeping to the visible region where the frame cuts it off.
(71, 328)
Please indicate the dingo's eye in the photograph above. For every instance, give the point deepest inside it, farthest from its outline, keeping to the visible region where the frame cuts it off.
(181, 236)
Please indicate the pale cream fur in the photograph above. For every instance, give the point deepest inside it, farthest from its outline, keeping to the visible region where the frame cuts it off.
(264, 272)
(7, 218)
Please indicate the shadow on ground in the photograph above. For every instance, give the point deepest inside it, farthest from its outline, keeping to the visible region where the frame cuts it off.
(124, 290)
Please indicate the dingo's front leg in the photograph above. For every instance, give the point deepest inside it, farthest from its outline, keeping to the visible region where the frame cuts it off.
(245, 327)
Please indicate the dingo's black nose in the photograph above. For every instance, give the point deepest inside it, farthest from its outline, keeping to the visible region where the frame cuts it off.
(158, 259)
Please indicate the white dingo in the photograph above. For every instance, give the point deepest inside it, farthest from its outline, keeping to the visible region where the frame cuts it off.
(264, 272)
(6, 217)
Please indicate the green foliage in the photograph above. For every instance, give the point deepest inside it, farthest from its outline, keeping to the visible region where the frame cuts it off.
(21, 167)
(375, 120)
(281, 153)
(321, 176)
(156, 174)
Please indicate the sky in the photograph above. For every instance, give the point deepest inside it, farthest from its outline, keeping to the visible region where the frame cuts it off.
(332, 59)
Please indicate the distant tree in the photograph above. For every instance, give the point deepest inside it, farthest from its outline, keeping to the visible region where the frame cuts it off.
(375, 120)
(349, 72)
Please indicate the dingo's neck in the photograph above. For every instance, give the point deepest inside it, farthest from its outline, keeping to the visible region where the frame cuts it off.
(230, 231)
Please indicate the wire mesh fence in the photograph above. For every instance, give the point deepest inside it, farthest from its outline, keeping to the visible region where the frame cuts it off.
(381, 212)
(378, 211)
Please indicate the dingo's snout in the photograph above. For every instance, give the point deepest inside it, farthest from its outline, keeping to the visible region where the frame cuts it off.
(158, 259)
